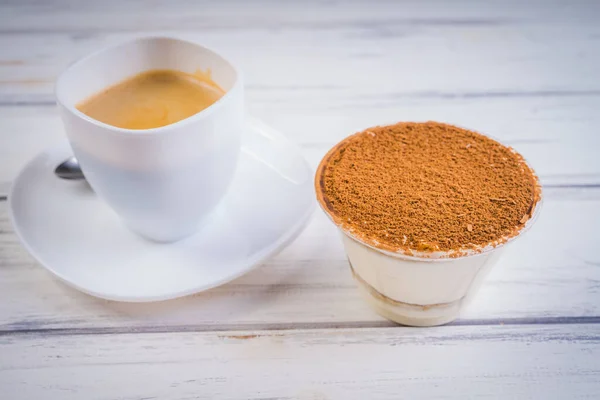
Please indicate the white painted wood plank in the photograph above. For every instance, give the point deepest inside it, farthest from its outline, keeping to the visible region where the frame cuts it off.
(557, 135)
(349, 67)
(314, 14)
(551, 273)
(525, 362)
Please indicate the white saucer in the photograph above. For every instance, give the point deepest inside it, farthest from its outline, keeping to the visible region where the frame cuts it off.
(82, 241)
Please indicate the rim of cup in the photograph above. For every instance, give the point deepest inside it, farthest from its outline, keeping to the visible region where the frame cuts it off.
(60, 95)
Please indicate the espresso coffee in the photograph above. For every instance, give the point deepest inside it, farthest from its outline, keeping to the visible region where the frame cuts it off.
(152, 99)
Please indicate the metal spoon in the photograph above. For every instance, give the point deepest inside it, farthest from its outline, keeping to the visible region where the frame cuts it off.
(69, 169)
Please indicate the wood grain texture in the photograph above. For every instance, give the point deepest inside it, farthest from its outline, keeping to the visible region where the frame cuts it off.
(525, 73)
(348, 53)
(350, 67)
(69, 15)
(525, 362)
(557, 135)
(551, 273)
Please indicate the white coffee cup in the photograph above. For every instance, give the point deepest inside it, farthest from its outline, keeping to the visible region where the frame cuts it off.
(162, 182)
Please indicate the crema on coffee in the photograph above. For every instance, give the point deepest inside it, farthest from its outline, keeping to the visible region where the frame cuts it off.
(152, 99)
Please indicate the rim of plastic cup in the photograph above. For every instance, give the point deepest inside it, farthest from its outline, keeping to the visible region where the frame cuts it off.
(444, 256)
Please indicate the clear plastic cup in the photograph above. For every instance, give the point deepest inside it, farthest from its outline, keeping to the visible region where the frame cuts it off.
(424, 290)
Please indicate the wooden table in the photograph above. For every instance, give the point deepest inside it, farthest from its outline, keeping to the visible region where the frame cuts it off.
(524, 72)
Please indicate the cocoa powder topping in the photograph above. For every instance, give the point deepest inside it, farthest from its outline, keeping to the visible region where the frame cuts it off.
(427, 187)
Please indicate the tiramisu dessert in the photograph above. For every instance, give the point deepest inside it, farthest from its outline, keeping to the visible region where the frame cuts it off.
(424, 209)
